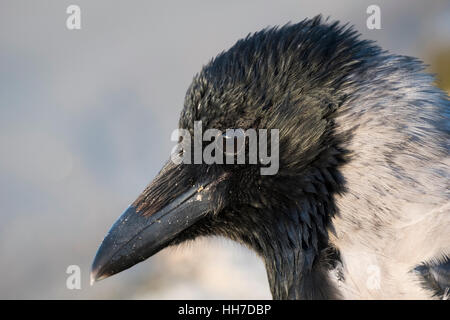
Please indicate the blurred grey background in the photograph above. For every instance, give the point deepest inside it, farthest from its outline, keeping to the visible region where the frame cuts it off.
(85, 123)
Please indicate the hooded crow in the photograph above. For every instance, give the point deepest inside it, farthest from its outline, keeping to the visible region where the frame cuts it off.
(359, 208)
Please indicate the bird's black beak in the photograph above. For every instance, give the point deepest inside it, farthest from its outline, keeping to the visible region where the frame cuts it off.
(154, 220)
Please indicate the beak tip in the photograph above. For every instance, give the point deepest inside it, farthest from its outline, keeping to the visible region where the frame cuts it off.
(92, 281)
(97, 271)
(96, 276)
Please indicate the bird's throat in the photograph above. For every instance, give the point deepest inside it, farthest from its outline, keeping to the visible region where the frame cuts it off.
(292, 275)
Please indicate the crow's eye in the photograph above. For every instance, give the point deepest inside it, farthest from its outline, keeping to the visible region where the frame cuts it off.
(233, 141)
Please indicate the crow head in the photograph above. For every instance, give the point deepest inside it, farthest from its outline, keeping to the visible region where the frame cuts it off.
(290, 79)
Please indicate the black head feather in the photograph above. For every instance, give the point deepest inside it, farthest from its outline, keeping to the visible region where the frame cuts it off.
(294, 79)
